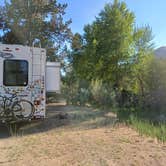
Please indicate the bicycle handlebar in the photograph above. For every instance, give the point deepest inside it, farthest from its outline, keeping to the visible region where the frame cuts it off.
(9, 97)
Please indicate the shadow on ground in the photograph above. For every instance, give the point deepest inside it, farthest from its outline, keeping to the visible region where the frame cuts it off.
(63, 116)
(4, 133)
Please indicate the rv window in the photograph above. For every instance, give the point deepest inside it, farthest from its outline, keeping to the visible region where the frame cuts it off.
(15, 73)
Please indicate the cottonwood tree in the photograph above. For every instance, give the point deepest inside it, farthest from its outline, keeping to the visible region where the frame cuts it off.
(108, 43)
(142, 59)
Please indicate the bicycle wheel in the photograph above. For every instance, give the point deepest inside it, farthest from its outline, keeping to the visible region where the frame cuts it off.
(23, 109)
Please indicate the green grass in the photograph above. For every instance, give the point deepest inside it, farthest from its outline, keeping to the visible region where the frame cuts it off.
(143, 122)
(149, 129)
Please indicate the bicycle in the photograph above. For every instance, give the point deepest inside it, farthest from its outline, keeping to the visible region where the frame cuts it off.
(14, 108)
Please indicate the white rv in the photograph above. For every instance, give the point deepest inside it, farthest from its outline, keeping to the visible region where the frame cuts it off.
(24, 74)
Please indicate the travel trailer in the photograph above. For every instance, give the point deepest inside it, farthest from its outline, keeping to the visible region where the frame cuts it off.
(25, 76)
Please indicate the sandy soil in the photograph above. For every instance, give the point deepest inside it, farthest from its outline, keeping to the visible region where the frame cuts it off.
(74, 136)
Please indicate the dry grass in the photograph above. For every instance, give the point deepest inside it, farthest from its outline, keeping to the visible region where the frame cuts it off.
(74, 136)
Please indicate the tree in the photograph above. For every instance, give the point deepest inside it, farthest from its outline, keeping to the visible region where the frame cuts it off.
(77, 42)
(115, 52)
(76, 54)
(108, 43)
(143, 57)
(36, 19)
(10, 38)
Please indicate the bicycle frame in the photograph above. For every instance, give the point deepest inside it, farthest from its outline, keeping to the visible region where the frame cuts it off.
(6, 104)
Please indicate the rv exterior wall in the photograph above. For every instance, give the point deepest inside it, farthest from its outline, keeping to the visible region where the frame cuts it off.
(53, 77)
(30, 84)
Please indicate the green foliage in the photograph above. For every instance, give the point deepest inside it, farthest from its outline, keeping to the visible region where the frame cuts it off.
(69, 87)
(11, 38)
(29, 20)
(77, 42)
(145, 122)
(76, 95)
(155, 98)
(142, 59)
(82, 92)
(102, 94)
(113, 51)
(157, 78)
(149, 129)
(75, 91)
(116, 59)
(108, 43)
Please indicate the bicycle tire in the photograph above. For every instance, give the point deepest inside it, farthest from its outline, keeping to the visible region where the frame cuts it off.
(23, 109)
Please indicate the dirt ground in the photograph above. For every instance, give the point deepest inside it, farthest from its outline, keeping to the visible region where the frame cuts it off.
(79, 136)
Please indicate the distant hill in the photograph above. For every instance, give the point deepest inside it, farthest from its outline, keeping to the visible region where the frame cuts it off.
(160, 52)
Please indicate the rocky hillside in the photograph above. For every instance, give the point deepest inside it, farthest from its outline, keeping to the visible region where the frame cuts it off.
(161, 52)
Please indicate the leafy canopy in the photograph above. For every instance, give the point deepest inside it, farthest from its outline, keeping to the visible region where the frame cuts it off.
(108, 42)
(35, 20)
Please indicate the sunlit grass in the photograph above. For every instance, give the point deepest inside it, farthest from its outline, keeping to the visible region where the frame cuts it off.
(149, 129)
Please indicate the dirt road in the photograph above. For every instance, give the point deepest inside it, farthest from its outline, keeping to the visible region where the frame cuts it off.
(74, 136)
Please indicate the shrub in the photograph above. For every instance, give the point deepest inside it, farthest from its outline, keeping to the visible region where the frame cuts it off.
(102, 94)
(77, 93)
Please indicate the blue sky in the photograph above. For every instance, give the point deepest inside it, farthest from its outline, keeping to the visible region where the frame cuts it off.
(152, 12)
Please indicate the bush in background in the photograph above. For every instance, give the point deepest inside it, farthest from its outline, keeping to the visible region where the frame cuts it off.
(102, 94)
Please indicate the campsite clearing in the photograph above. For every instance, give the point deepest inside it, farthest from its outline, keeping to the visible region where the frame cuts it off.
(81, 136)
